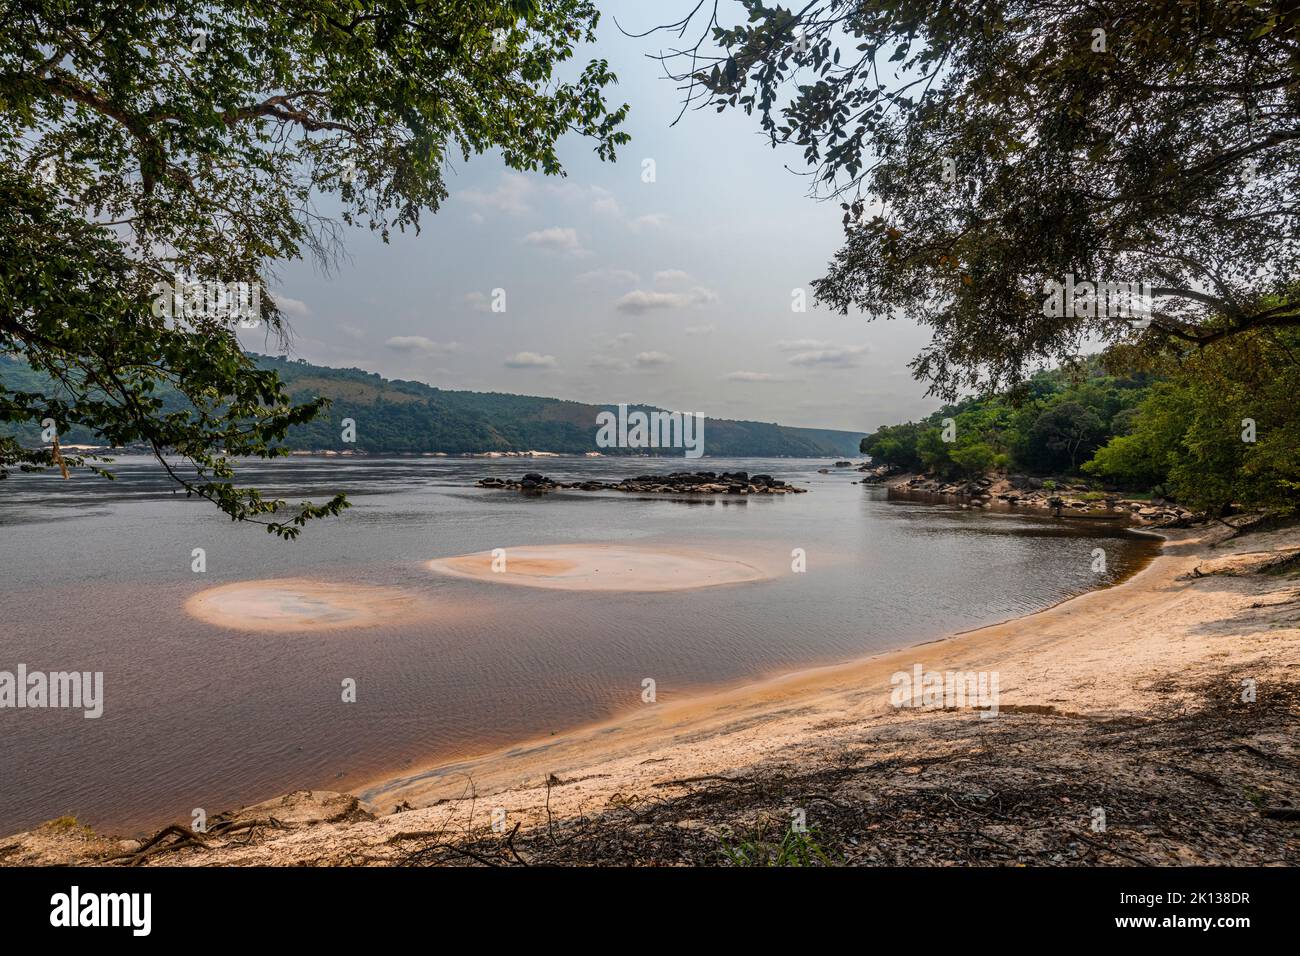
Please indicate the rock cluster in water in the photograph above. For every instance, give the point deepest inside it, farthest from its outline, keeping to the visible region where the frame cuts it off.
(1024, 491)
(680, 482)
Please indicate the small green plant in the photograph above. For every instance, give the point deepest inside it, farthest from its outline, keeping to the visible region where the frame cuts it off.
(1049, 485)
(66, 824)
(796, 848)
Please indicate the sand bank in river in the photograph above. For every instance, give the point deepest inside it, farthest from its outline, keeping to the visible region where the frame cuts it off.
(292, 605)
(600, 567)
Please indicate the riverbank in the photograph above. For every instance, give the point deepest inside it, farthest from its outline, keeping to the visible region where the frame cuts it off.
(1027, 493)
(1153, 722)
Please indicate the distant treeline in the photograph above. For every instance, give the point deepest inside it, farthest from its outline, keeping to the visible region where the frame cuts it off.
(396, 416)
(1212, 428)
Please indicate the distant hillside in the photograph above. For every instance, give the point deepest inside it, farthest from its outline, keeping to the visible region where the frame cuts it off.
(395, 416)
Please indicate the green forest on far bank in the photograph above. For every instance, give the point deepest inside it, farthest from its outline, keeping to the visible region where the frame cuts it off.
(1211, 428)
(394, 416)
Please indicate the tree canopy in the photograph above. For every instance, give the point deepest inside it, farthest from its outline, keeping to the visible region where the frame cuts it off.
(145, 141)
(1222, 429)
(984, 149)
(1051, 427)
(1214, 428)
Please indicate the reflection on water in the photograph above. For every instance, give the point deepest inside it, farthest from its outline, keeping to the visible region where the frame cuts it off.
(94, 576)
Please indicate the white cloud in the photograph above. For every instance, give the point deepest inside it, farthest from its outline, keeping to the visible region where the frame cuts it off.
(751, 377)
(295, 307)
(530, 360)
(666, 276)
(652, 359)
(700, 329)
(608, 362)
(510, 196)
(803, 345)
(640, 301)
(557, 238)
(839, 356)
(604, 203)
(418, 343)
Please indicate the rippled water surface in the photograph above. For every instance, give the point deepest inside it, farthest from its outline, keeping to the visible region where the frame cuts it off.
(94, 576)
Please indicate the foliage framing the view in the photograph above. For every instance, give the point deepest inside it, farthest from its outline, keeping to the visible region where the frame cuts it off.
(1181, 434)
(146, 140)
(1145, 140)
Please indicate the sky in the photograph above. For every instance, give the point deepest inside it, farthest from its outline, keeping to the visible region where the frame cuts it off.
(676, 292)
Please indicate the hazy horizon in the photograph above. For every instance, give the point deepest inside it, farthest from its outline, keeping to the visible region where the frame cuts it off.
(579, 401)
(675, 293)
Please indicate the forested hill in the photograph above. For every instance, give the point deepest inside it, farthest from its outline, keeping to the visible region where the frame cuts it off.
(396, 416)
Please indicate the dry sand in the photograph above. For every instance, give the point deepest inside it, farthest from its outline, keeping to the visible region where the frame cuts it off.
(1127, 700)
(601, 567)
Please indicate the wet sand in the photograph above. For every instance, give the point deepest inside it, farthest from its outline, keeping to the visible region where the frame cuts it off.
(294, 605)
(600, 567)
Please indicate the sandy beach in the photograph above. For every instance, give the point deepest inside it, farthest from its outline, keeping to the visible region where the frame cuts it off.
(1168, 704)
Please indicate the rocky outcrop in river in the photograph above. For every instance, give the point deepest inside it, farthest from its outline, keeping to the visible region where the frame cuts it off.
(680, 482)
(1063, 500)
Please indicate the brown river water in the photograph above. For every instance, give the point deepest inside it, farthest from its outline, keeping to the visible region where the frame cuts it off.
(94, 576)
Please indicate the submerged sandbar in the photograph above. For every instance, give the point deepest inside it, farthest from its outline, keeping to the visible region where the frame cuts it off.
(289, 605)
(600, 567)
